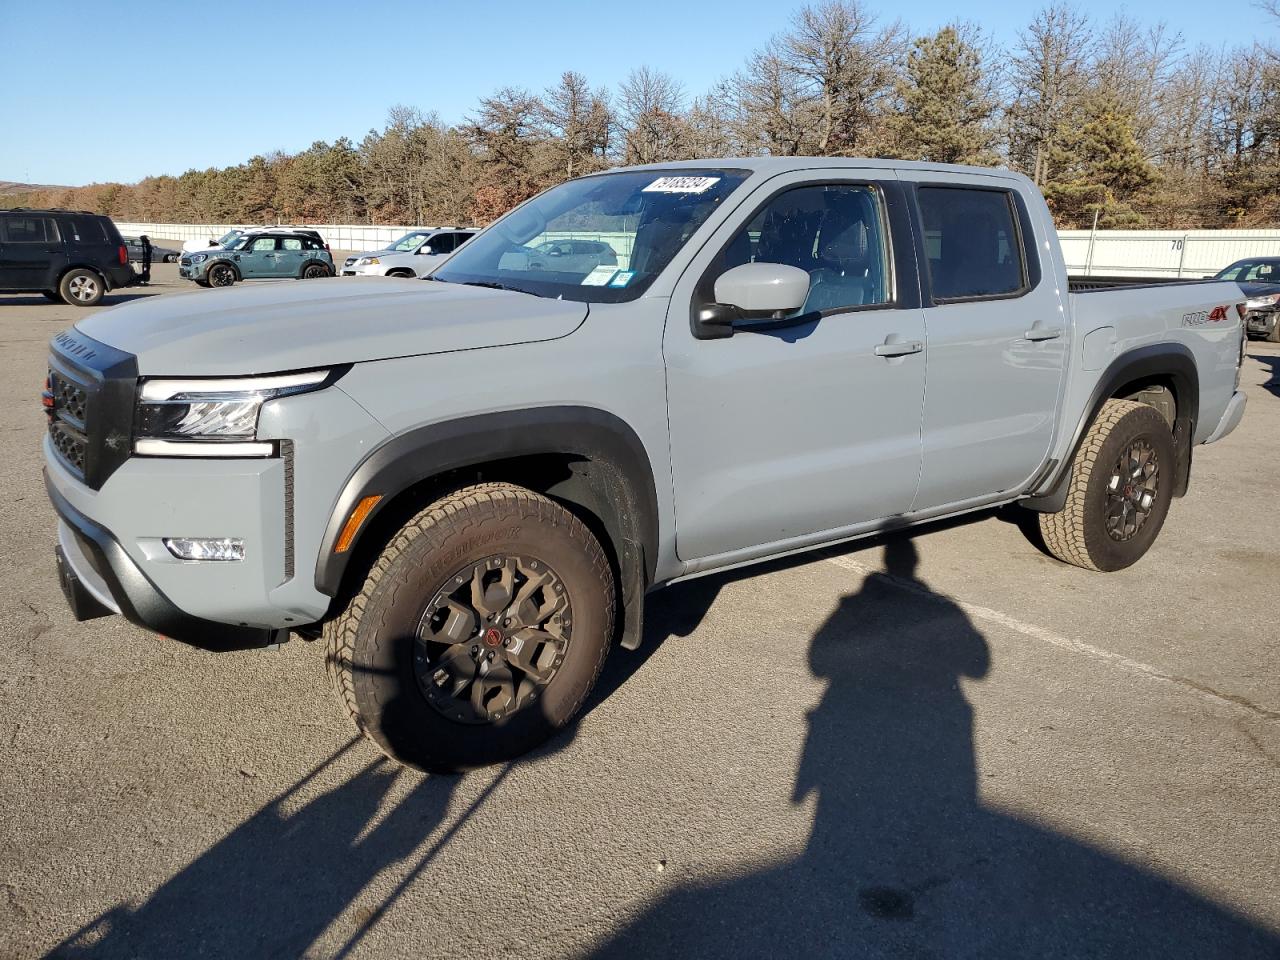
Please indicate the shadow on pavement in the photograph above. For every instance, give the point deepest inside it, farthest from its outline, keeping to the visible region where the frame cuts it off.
(904, 860)
(109, 300)
(1271, 361)
(277, 882)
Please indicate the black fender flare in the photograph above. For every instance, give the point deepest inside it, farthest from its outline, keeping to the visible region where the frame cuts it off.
(589, 433)
(1173, 361)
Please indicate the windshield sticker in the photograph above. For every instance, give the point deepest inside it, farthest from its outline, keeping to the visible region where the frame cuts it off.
(599, 276)
(681, 185)
(622, 278)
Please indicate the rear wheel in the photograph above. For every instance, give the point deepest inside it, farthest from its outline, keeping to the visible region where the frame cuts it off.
(314, 271)
(82, 288)
(221, 275)
(479, 631)
(1120, 490)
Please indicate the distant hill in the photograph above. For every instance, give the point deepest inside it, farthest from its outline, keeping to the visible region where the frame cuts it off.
(12, 186)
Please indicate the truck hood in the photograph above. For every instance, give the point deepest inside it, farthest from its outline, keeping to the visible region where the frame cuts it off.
(292, 325)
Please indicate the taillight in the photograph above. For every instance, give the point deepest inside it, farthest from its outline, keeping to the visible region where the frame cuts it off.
(123, 253)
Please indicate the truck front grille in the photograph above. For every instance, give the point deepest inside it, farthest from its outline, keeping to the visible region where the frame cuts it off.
(70, 444)
(67, 417)
(90, 404)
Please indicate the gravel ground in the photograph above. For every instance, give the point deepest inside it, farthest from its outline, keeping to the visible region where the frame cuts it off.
(948, 746)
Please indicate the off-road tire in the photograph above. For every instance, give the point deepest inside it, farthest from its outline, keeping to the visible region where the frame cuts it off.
(1077, 534)
(81, 287)
(371, 645)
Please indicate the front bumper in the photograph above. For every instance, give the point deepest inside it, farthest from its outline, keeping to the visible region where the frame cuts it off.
(368, 270)
(100, 578)
(1261, 323)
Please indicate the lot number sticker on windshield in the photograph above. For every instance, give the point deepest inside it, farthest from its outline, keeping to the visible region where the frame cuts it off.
(681, 185)
(599, 276)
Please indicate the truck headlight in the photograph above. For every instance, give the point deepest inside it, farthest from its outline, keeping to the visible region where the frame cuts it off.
(213, 418)
(200, 258)
(368, 262)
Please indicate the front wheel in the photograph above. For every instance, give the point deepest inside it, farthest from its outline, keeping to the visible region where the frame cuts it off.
(478, 632)
(1121, 487)
(221, 275)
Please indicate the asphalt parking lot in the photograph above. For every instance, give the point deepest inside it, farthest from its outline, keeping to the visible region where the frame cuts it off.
(943, 746)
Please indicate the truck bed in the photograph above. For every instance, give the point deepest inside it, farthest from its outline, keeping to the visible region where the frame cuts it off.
(1092, 284)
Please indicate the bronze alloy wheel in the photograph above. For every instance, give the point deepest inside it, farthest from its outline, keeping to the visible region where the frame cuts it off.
(1132, 490)
(492, 638)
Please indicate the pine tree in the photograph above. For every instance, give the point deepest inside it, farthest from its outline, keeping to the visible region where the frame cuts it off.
(947, 102)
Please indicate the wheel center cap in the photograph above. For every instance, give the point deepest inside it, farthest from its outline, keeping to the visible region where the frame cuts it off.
(492, 637)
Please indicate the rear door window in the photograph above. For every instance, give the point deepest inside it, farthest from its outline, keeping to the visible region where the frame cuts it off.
(972, 243)
(291, 243)
(82, 229)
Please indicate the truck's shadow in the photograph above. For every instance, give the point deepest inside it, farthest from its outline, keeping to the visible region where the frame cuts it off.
(904, 859)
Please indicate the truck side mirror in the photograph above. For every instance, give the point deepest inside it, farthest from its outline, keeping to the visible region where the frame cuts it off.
(763, 289)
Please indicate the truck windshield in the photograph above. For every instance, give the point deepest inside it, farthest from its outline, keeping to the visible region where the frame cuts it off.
(1252, 271)
(601, 239)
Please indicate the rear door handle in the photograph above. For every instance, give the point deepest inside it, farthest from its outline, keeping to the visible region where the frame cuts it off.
(1042, 333)
(898, 348)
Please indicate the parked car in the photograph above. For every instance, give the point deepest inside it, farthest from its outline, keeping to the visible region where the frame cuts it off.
(575, 256)
(468, 485)
(231, 236)
(68, 255)
(1259, 278)
(258, 256)
(158, 254)
(414, 255)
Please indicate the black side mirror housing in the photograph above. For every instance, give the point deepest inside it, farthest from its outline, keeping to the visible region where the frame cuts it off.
(714, 321)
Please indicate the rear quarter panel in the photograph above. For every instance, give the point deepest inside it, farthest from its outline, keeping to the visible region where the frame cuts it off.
(1200, 316)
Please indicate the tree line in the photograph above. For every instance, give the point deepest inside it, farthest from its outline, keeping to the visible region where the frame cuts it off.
(1118, 122)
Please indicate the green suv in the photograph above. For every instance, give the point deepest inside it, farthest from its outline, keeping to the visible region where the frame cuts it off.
(258, 256)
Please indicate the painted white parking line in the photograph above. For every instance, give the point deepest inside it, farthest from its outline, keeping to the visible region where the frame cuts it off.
(1034, 632)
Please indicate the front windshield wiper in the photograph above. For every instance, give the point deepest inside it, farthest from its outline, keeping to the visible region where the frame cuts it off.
(493, 285)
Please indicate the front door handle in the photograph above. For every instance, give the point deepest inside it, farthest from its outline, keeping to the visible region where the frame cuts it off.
(1042, 333)
(898, 348)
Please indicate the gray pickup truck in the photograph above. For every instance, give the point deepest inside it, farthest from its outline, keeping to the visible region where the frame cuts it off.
(467, 484)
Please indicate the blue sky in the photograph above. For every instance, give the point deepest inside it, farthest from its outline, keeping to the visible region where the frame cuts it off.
(163, 87)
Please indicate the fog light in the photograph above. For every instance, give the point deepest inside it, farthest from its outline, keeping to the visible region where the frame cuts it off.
(205, 548)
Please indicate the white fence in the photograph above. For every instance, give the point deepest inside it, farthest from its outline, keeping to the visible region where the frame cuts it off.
(1143, 253)
(1162, 253)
